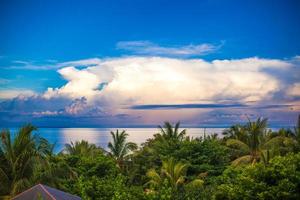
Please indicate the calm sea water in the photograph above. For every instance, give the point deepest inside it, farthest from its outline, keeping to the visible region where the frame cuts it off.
(101, 136)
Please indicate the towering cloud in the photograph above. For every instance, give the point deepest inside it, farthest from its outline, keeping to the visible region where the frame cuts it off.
(157, 80)
(128, 86)
(80, 83)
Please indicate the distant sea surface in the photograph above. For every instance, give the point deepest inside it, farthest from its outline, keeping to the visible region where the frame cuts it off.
(101, 136)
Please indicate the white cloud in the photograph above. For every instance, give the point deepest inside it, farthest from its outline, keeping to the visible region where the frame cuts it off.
(149, 48)
(101, 90)
(80, 83)
(156, 80)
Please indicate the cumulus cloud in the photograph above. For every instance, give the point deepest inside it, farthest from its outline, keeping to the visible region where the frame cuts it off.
(109, 88)
(80, 83)
(152, 49)
(157, 80)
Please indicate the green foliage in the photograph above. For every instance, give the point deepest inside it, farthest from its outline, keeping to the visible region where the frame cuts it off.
(203, 155)
(54, 173)
(171, 182)
(107, 188)
(278, 180)
(252, 142)
(98, 178)
(170, 166)
(169, 132)
(172, 171)
(19, 159)
(81, 148)
(120, 148)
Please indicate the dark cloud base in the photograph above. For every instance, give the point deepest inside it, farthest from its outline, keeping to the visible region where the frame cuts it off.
(204, 106)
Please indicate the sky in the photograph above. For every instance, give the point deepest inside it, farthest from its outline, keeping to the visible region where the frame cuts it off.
(140, 63)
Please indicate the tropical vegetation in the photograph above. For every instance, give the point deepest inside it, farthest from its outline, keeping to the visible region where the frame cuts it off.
(249, 161)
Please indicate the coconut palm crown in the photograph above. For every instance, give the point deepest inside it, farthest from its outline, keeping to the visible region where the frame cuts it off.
(170, 132)
(20, 154)
(119, 148)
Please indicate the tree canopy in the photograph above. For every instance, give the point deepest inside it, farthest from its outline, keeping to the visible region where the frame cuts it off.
(250, 161)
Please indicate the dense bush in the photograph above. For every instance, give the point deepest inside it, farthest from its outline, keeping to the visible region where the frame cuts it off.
(98, 177)
(280, 179)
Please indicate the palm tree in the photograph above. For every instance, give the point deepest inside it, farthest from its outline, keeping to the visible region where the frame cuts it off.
(55, 172)
(249, 142)
(291, 141)
(81, 148)
(174, 172)
(120, 148)
(235, 132)
(168, 132)
(256, 143)
(18, 159)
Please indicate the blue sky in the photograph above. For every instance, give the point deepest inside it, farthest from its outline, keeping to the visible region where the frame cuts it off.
(68, 30)
(41, 40)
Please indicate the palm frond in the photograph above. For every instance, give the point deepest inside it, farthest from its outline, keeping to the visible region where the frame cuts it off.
(154, 177)
(237, 144)
(197, 183)
(242, 160)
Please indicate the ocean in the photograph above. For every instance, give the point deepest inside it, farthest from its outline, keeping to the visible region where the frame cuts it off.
(101, 136)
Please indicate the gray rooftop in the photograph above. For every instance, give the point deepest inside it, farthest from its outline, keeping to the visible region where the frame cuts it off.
(43, 192)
